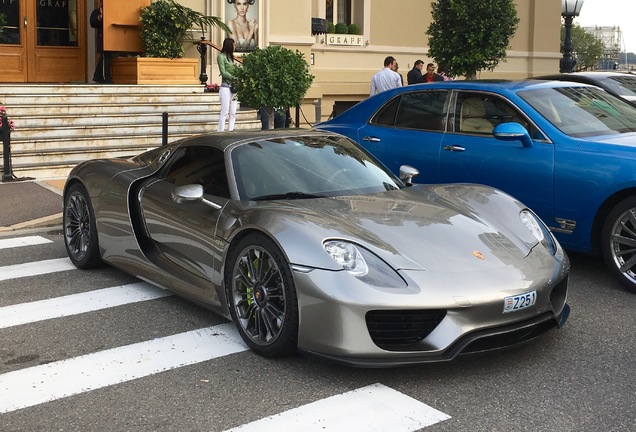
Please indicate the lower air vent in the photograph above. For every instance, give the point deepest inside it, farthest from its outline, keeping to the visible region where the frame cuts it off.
(395, 330)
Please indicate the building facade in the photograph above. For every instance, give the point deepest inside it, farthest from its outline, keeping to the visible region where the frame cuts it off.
(50, 40)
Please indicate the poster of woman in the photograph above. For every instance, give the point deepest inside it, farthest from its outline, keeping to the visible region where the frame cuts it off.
(241, 16)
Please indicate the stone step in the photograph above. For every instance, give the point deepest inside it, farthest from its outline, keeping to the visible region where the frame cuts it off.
(68, 89)
(59, 126)
(38, 124)
(20, 111)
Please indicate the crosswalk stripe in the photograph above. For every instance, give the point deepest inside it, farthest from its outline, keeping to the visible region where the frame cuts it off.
(52, 381)
(23, 241)
(74, 304)
(368, 409)
(35, 268)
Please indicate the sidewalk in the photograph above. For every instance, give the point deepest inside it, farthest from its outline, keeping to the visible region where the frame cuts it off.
(31, 204)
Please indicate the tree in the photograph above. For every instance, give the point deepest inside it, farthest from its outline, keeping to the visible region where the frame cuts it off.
(467, 36)
(273, 77)
(588, 49)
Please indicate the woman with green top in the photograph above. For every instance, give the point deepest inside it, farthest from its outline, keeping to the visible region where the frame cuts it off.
(225, 59)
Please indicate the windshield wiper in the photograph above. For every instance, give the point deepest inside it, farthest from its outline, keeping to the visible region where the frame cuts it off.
(288, 195)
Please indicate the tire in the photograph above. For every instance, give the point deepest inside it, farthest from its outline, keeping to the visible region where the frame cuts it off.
(262, 296)
(80, 230)
(619, 242)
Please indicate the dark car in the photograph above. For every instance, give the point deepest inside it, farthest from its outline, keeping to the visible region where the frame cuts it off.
(567, 150)
(621, 84)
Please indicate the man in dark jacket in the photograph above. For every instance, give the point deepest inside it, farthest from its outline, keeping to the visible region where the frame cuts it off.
(102, 70)
(415, 75)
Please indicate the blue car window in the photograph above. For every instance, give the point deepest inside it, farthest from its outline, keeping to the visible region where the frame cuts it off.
(422, 110)
(479, 113)
(386, 115)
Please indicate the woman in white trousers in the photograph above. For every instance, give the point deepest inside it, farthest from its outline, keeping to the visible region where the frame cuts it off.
(229, 102)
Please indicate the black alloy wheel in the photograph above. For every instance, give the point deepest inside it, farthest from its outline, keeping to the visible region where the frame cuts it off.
(80, 231)
(262, 296)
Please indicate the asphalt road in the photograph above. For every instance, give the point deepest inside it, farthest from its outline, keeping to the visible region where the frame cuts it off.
(115, 367)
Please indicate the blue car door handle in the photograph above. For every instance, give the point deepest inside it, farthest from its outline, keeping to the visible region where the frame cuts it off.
(454, 148)
(371, 138)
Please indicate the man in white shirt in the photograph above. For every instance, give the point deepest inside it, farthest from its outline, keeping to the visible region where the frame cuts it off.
(387, 78)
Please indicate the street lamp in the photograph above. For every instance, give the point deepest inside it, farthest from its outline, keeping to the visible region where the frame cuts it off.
(569, 10)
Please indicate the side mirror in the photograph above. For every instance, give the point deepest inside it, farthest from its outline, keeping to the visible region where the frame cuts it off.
(408, 173)
(512, 131)
(187, 193)
(191, 193)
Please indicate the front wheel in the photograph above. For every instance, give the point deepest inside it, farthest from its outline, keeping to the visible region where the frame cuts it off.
(80, 231)
(262, 296)
(619, 242)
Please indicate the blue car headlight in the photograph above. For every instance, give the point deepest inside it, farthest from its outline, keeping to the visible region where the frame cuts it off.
(539, 230)
(363, 264)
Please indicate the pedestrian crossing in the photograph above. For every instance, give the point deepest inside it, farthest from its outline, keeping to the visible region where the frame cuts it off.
(373, 407)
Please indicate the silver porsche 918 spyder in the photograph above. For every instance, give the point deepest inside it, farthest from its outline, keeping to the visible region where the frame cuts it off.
(309, 244)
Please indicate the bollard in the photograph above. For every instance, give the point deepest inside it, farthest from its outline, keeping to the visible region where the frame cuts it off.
(318, 114)
(164, 129)
(7, 174)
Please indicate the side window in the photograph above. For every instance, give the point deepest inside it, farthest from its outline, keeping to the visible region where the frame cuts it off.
(199, 165)
(478, 113)
(422, 110)
(386, 115)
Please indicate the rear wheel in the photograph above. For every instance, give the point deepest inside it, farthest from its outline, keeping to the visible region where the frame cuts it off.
(80, 231)
(262, 296)
(619, 242)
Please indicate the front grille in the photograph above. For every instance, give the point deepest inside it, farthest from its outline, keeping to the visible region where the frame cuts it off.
(394, 330)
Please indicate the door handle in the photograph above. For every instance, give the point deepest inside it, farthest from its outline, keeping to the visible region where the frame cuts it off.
(25, 22)
(371, 139)
(454, 148)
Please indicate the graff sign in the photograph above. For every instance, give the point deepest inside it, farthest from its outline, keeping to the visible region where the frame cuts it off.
(344, 40)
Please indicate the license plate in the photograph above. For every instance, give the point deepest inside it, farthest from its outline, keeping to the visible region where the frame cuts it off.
(520, 301)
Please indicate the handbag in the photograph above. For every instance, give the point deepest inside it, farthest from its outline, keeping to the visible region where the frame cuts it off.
(233, 88)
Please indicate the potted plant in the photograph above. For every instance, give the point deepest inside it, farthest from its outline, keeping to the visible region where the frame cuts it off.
(166, 24)
(164, 27)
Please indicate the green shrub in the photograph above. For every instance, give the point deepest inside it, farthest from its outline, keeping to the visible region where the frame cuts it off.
(342, 28)
(331, 27)
(165, 24)
(354, 29)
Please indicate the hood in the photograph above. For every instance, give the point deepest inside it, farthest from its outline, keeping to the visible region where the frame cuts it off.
(623, 139)
(442, 227)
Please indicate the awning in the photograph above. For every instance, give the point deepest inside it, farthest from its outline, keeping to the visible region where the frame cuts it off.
(318, 26)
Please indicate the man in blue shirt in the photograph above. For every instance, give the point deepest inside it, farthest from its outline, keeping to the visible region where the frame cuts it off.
(387, 78)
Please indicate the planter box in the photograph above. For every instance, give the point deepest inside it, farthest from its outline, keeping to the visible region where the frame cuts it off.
(146, 70)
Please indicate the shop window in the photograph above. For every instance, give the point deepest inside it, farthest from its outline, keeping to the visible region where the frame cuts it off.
(345, 11)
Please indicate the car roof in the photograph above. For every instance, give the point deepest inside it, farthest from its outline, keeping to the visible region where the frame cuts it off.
(223, 140)
(501, 86)
(586, 74)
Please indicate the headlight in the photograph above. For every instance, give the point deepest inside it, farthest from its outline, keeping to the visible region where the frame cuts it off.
(363, 264)
(538, 230)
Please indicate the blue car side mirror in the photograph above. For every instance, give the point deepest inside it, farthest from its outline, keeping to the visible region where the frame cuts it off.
(512, 131)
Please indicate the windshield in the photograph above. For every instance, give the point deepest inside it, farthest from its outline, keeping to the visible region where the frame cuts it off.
(582, 111)
(623, 85)
(307, 167)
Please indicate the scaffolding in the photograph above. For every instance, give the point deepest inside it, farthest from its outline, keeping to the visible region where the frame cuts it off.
(612, 39)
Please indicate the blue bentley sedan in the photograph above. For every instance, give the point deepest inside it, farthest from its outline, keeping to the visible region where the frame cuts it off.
(567, 150)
